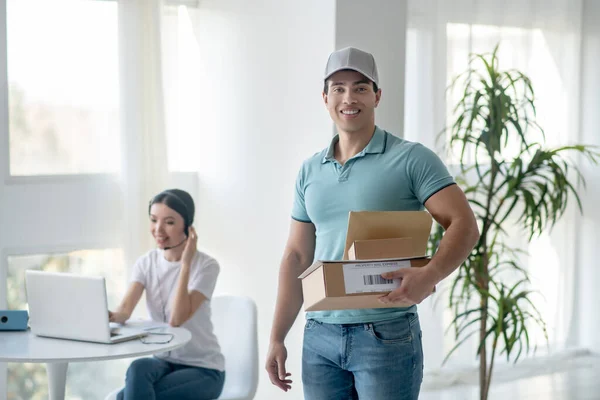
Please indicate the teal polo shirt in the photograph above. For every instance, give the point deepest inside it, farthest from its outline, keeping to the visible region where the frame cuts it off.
(389, 174)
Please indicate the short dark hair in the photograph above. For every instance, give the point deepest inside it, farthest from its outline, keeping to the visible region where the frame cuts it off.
(178, 200)
(326, 86)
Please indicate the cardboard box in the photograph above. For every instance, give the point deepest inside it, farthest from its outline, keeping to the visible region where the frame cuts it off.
(356, 282)
(342, 285)
(381, 248)
(370, 225)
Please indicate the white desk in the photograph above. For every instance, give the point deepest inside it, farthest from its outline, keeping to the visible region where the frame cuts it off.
(25, 347)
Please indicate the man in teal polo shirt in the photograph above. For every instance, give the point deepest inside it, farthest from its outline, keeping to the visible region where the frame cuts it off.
(373, 354)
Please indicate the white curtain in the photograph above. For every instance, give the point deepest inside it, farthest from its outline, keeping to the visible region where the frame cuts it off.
(588, 251)
(543, 40)
(144, 157)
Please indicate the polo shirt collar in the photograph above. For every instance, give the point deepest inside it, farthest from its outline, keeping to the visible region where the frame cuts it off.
(375, 146)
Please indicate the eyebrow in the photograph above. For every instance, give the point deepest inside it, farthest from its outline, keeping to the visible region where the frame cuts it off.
(155, 217)
(356, 83)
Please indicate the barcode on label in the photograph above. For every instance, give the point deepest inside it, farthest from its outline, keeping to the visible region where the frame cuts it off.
(376, 280)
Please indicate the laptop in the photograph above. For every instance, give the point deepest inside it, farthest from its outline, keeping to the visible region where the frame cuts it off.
(70, 306)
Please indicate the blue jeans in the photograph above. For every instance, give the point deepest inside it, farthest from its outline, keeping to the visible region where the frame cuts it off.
(153, 378)
(371, 361)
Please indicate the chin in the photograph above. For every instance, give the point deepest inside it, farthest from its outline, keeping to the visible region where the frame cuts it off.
(351, 129)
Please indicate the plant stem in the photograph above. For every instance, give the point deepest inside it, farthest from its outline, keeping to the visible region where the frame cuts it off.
(489, 378)
(482, 351)
(483, 281)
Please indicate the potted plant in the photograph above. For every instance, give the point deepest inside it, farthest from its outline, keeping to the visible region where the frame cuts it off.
(508, 175)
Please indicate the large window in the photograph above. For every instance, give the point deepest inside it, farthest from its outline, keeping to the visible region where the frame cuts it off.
(528, 50)
(522, 49)
(439, 44)
(63, 87)
(70, 118)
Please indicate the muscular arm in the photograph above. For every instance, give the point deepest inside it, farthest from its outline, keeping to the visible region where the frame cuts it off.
(298, 255)
(450, 208)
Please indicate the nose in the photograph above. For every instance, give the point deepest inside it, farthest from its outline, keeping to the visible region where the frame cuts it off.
(349, 97)
(158, 228)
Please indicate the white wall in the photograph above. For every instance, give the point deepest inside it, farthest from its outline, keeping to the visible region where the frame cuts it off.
(589, 251)
(262, 114)
(379, 29)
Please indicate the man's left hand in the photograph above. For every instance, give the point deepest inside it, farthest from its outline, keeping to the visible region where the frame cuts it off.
(416, 284)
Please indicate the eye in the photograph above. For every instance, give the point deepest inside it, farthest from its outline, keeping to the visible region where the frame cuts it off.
(170, 223)
(338, 90)
(152, 220)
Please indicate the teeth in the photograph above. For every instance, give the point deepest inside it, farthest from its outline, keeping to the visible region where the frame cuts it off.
(349, 112)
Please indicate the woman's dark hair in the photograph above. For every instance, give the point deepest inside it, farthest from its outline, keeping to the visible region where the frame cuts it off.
(179, 201)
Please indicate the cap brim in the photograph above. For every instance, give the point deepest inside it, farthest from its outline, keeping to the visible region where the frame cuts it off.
(350, 69)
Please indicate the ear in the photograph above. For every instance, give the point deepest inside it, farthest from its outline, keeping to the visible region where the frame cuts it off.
(377, 97)
(325, 99)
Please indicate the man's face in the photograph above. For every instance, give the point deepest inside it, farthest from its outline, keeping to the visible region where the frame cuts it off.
(351, 101)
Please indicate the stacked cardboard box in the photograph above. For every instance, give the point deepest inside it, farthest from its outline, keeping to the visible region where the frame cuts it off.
(376, 242)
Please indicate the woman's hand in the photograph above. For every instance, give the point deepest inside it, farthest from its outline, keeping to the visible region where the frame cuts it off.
(116, 316)
(124, 310)
(190, 247)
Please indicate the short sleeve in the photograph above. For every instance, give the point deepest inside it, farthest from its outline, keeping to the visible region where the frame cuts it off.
(426, 172)
(204, 277)
(139, 272)
(299, 212)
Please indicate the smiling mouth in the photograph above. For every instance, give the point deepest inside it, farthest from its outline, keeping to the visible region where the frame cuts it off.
(350, 113)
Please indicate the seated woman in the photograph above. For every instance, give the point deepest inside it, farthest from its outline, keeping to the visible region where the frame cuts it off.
(179, 282)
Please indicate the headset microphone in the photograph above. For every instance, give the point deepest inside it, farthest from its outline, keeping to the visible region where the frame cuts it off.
(172, 247)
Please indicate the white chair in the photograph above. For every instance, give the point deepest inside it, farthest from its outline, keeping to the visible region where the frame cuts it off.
(235, 323)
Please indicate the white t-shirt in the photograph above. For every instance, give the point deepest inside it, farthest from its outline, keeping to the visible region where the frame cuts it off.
(160, 278)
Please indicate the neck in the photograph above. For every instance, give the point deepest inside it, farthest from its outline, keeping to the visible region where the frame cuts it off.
(175, 252)
(352, 143)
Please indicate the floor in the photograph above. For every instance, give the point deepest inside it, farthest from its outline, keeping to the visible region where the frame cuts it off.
(570, 381)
